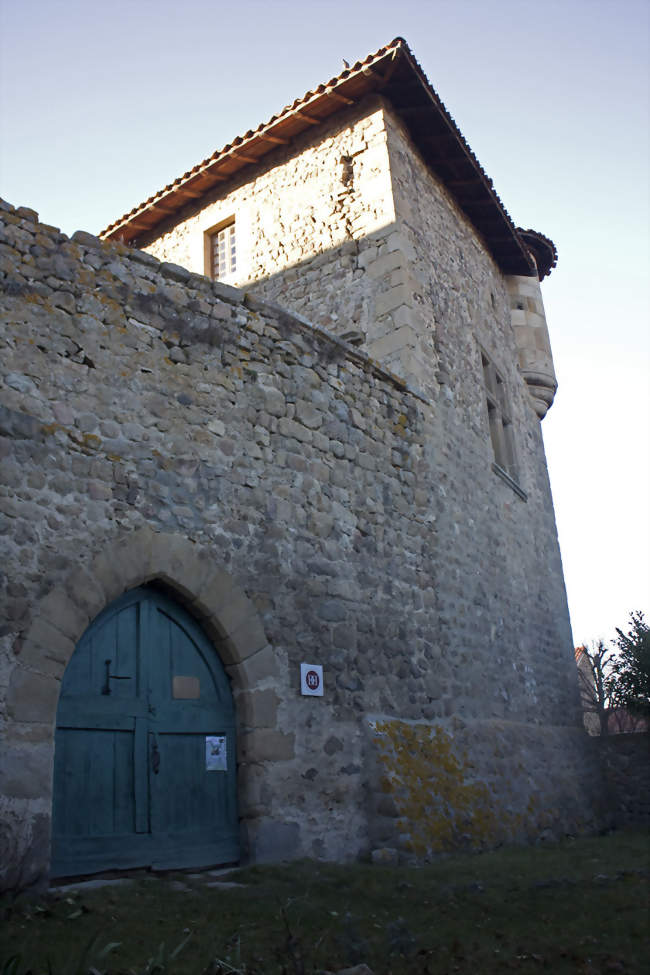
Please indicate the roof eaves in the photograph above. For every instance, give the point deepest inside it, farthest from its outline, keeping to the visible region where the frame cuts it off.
(264, 132)
(486, 212)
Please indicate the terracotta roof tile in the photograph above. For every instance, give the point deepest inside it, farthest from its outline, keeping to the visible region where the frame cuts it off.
(391, 71)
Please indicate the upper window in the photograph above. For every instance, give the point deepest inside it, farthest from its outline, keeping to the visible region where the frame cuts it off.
(223, 252)
(499, 417)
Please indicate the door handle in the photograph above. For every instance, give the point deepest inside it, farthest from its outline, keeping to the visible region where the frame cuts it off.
(155, 757)
(106, 689)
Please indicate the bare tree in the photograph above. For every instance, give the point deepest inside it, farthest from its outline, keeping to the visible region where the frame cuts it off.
(598, 692)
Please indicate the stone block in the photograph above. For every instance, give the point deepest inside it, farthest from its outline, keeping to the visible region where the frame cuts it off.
(32, 696)
(245, 639)
(43, 639)
(265, 746)
(63, 613)
(227, 293)
(214, 592)
(271, 841)
(258, 709)
(26, 213)
(21, 732)
(25, 842)
(289, 428)
(385, 302)
(394, 341)
(387, 263)
(110, 575)
(259, 667)
(308, 415)
(84, 590)
(174, 271)
(86, 239)
(44, 659)
(26, 770)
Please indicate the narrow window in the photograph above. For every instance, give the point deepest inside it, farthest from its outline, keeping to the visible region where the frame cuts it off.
(499, 418)
(223, 252)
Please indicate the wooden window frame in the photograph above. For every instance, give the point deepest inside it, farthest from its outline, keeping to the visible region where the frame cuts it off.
(221, 250)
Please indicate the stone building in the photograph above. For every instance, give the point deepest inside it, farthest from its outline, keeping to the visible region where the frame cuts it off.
(286, 412)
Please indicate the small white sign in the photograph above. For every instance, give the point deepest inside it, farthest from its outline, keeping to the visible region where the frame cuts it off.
(311, 680)
(216, 759)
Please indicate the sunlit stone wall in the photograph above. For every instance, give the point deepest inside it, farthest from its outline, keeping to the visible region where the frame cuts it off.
(155, 424)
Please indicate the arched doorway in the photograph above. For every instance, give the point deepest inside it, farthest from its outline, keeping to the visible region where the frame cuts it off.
(144, 765)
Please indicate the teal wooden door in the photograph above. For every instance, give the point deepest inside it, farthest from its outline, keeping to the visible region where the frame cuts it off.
(144, 763)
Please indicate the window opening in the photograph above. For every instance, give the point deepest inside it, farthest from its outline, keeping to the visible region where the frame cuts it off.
(499, 417)
(224, 252)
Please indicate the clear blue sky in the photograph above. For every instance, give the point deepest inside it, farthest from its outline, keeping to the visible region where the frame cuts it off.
(101, 104)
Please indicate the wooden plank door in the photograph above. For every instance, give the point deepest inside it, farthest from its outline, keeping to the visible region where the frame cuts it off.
(193, 809)
(142, 698)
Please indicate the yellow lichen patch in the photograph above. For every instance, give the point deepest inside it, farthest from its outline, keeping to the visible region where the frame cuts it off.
(399, 427)
(50, 428)
(441, 806)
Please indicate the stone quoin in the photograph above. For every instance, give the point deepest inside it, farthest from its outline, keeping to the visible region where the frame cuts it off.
(287, 410)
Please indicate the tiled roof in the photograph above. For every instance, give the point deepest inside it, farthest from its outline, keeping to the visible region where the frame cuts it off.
(394, 73)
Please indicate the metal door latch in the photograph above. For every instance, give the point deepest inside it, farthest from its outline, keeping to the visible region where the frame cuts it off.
(106, 689)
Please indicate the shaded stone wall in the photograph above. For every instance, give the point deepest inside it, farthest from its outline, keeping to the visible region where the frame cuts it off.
(459, 305)
(307, 506)
(626, 768)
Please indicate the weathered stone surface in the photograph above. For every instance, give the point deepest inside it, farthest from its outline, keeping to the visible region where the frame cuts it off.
(625, 760)
(32, 697)
(259, 667)
(266, 746)
(305, 505)
(25, 770)
(272, 841)
(258, 709)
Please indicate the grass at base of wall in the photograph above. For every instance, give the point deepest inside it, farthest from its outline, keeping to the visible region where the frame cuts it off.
(580, 906)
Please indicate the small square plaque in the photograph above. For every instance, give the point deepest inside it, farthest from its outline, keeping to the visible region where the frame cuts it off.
(186, 688)
(311, 680)
(216, 757)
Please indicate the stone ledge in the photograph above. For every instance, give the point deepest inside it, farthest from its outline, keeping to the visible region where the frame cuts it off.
(268, 308)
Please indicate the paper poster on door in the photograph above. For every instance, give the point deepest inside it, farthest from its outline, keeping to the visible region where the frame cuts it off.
(216, 758)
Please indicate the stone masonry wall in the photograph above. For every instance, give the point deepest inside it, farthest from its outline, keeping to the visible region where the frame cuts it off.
(300, 219)
(626, 768)
(460, 304)
(158, 425)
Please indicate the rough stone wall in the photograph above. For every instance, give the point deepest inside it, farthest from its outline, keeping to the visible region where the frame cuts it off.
(459, 305)
(626, 769)
(301, 220)
(349, 227)
(364, 523)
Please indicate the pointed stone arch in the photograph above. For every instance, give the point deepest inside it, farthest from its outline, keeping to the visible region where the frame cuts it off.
(187, 569)
(189, 572)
